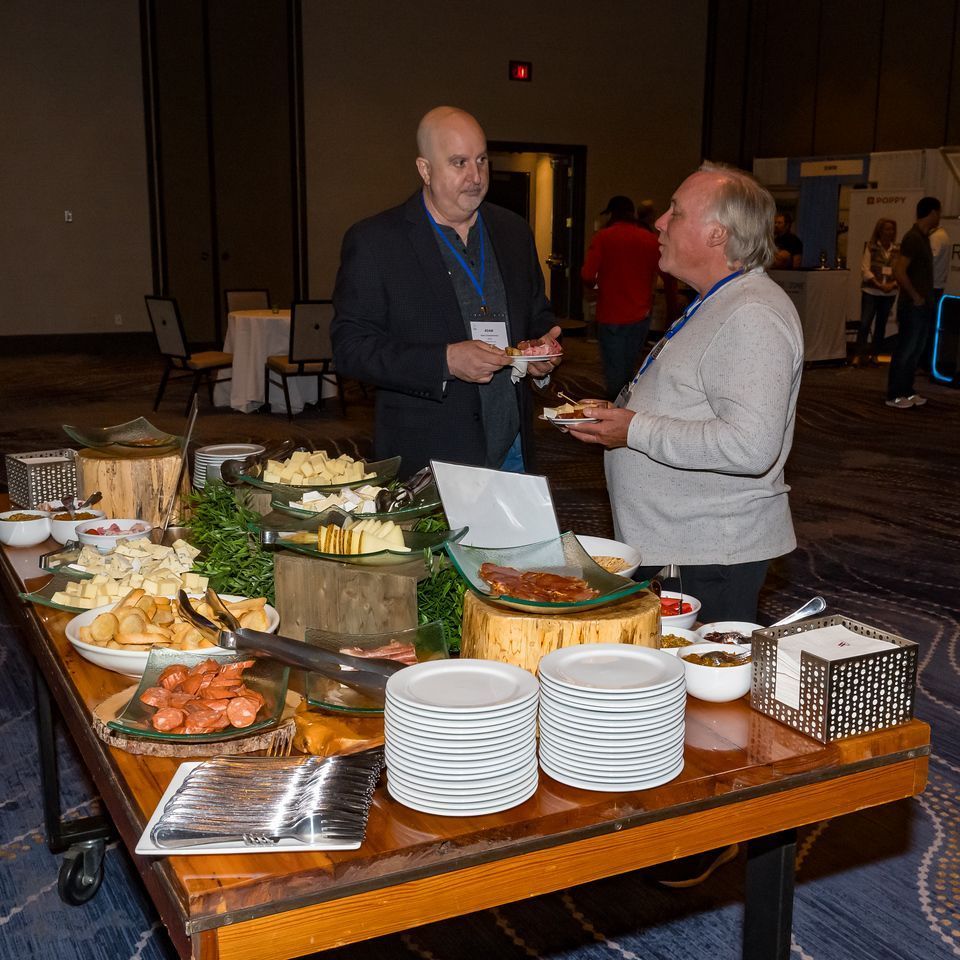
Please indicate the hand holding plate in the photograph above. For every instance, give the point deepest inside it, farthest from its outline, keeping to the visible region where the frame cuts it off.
(610, 432)
(475, 361)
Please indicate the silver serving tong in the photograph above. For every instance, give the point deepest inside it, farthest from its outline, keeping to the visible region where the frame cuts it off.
(405, 493)
(367, 675)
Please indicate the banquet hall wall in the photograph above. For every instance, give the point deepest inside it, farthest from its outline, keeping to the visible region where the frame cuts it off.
(627, 81)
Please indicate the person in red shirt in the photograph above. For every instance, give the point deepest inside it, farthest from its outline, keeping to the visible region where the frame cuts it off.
(622, 265)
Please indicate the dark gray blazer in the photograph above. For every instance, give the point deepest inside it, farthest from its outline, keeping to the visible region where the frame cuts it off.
(395, 311)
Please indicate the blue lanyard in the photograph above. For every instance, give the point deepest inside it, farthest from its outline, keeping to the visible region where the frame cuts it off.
(477, 282)
(678, 325)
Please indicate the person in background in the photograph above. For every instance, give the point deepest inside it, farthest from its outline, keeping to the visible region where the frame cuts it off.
(697, 442)
(940, 248)
(913, 271)
(647, 215)
(622, 265)
(789, 246)
(427, 296)
(879, 290)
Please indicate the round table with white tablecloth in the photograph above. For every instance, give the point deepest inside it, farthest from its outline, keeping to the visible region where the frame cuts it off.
(252, 336)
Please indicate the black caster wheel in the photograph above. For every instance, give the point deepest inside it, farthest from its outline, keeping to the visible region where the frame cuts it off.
(81, 873)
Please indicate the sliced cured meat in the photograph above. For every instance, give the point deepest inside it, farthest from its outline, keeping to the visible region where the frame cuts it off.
(172, 676)
(155, 697)
(242, 711)
(205, 666)
(168, 718)
(234, 670)
(536, 584)
(404, 652)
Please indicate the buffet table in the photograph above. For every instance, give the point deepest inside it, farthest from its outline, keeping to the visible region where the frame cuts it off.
(252, 337)
(747, 778)
(820, 299)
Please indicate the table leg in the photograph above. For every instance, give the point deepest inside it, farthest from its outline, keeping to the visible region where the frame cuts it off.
(768, 915)
(60, 834)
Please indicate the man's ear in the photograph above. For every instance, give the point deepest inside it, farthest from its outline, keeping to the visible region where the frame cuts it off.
(423, 168)
(717, 235)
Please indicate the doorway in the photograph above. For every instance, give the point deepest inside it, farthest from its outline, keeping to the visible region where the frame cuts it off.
(546, 185)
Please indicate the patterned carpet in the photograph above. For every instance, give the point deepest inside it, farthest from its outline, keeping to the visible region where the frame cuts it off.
(876, 501)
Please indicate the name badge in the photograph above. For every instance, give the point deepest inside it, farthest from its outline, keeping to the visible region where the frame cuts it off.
(490, 331)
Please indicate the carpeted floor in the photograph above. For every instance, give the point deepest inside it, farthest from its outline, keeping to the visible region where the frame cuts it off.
(876, 501)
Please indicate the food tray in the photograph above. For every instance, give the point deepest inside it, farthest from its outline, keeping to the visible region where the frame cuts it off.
(34, 478)
(139, 434)
(839, 698)
(424, 503)
(383, 471)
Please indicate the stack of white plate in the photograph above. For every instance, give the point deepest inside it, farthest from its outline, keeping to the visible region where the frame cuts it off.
(460, 736)
(611, 716)
(216, 454)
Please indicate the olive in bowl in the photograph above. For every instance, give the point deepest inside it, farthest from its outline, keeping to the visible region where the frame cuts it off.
(718, 672)
(24, 528)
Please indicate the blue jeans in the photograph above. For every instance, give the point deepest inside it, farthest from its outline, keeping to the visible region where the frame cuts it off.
(620, 346)
(513, 461)
(915, 324)
(876, 309)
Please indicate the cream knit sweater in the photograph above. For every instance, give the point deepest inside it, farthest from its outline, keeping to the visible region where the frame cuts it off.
(701, 480)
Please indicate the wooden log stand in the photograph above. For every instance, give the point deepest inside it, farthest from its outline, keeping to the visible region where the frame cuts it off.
(491, 632)
(134, 484)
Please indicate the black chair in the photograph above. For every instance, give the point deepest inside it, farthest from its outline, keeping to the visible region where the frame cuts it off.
(310, 352)
(172, 341)
(247, 300)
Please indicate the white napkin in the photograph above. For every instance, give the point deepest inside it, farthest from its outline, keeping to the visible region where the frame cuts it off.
(830, 643)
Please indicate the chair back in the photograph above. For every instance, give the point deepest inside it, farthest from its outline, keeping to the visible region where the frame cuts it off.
(310, 331)
(167, 327)
(247, 300)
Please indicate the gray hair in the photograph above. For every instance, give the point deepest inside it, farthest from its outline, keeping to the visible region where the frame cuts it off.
(746, 210)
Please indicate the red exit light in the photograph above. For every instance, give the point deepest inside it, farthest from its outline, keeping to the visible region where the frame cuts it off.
(521, 70)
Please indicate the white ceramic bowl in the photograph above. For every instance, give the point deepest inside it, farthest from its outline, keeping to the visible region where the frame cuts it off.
(689, 635)
(65, 530)
(743, 627)
(24, 533)
(716, 684)
(106, 543)
(601, 547)
(132, 662)
(682, 620)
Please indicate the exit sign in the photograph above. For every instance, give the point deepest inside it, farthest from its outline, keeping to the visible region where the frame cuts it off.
(521, 70)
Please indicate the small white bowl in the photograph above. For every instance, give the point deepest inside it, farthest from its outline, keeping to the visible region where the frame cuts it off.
(106, 543)
(682, 620)
(65, 530)
(24, 533)
(132, 662)
(691, 636)
(601, 547)
(716, 684)
(743, 627)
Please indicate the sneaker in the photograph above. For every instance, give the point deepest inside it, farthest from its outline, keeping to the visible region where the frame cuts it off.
(901, 403)
(690, 871)
(917, 400)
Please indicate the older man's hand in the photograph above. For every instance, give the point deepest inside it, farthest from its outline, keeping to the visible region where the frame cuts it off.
(543, 368)
(475, 361)
(612, 429)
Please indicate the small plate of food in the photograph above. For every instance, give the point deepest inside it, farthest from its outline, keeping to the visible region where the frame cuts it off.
(567, 415)
(546, 348)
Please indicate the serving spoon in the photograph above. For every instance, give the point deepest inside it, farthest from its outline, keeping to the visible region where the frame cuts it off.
(813, 606)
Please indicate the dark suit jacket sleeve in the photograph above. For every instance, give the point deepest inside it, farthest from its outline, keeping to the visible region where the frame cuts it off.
(367, 346)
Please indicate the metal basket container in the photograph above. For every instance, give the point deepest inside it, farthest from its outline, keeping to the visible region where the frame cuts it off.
(34, 478)
(838, 698)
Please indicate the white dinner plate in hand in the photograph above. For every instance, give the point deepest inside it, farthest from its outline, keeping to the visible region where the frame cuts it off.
(568, 421)
(534, 359)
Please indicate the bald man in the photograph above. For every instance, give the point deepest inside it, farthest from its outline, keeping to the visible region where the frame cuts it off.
(427, 297)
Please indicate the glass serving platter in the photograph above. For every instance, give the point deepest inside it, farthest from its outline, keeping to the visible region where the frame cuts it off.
(382, 470)
(274, 525)
(268, 677)
(562, 555)
(60, 561)
(139, 434)
(422, 505)
(56, 584)
(428, 640)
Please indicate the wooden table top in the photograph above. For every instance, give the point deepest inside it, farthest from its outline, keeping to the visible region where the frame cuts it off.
(745, 776)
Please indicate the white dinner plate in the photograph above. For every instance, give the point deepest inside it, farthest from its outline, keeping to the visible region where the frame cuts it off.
(461, 686)
(576, 759)
(606, 702)
(415, 765)
(532, 359)
(477, 810)
(619, 667)
(612, 750)
(615, 721)
(612, 734)
(442, 718)
(465, 728)
(465, 806)
(412, 737)
(606, 744)
(456, 791)
(610, 786)
(568, 421)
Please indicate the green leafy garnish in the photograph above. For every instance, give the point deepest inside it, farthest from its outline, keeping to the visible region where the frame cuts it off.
(440, 596)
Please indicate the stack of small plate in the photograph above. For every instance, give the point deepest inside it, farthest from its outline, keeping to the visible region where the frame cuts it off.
(611, 716)
(461, 736)
(215, 455)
